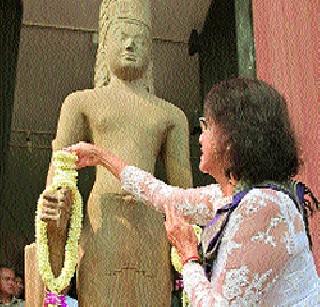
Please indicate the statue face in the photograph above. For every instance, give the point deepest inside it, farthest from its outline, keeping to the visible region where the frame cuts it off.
(128, 49)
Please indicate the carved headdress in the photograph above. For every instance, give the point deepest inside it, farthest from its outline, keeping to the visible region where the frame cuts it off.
(111, 11)
(137, 10)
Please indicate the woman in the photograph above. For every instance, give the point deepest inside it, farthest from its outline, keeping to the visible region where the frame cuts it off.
(256, 241)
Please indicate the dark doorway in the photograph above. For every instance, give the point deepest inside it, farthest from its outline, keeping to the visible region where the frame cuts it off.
(11, 19)
(226, 49)
(227, 45)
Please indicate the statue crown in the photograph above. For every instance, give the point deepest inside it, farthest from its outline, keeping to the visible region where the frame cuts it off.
(136, 10)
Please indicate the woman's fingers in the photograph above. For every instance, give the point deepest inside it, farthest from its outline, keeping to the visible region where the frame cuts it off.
(85, 152)
(74, 148)
(67, 149)
(80, 146)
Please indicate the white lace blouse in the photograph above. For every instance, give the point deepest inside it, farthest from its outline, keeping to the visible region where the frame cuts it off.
(263, 259)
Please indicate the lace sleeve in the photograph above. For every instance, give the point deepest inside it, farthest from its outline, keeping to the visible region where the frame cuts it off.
(257, 244)
(199, 289)
(197, 205)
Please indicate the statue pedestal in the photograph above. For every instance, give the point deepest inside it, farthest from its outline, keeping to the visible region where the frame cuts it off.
(34, 288)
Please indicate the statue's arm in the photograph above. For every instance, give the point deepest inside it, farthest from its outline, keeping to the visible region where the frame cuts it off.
(72, 127)
(177, 152)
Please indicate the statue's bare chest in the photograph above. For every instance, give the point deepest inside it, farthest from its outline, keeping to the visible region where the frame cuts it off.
(128, 116)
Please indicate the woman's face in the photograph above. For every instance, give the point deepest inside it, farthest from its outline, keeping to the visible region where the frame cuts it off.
(211, 161)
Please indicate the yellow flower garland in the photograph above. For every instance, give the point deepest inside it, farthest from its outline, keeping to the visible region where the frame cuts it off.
(65, 177)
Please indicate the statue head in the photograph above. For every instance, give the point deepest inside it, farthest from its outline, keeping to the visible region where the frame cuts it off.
(127, 37)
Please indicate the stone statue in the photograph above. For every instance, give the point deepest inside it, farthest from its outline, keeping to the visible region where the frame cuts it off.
(124, 250)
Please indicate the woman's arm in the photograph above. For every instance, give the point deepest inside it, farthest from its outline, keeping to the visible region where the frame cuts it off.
(197, 205)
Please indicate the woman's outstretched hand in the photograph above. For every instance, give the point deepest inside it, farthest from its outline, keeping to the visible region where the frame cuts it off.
(88, 154)
(181, 234)
(92, 155)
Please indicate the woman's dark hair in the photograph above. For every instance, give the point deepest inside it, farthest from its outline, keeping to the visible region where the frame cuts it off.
(258, 142)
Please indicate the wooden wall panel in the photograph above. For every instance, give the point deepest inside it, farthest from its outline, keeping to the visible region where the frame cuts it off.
(71, 13)
(52, 64)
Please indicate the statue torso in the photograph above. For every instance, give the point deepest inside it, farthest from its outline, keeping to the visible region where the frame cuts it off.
(131, 124)
(123, 234)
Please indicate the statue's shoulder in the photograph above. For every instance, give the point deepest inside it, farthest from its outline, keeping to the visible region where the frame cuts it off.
(86, 96)
(173, 111)
(76, 96)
